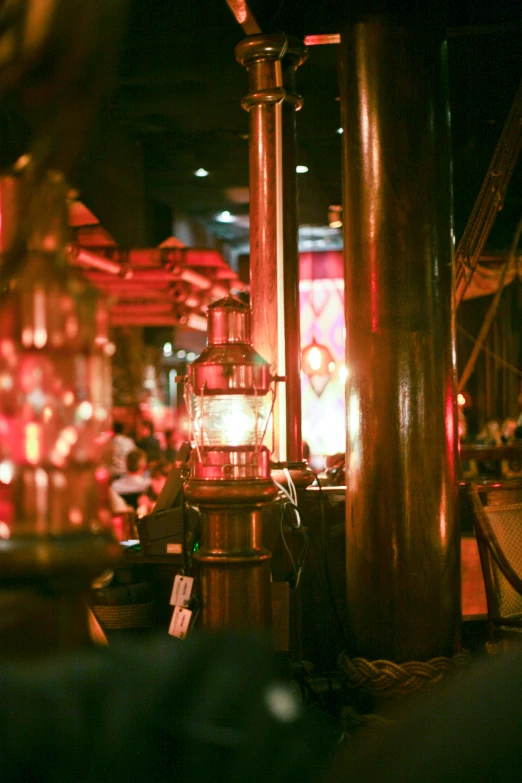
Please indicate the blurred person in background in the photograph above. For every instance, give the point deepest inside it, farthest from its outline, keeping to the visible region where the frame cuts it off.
(119, 447)
(507, 431)
(491, 435)
(172, 443)
(159, 472)
(512, 467)
(146, 440)
(468, 468)
(134, 482)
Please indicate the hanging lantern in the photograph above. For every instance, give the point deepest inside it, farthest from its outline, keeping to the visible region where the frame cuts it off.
(316, 359)
(230, 397)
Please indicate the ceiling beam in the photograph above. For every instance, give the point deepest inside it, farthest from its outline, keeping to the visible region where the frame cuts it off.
(244, 16)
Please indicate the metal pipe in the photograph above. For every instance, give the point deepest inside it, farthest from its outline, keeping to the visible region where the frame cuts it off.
(80, 257)
(270, 61)
(295, 55)
(403, 542)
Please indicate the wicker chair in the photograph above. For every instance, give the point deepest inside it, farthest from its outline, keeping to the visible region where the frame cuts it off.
(498, 529)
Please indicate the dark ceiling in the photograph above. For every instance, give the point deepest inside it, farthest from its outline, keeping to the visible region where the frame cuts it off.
(174, 106)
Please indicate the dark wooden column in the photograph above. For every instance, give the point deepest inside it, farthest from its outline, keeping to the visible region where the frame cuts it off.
(402, 556)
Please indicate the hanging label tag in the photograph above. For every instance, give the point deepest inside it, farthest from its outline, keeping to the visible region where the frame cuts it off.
(181, 590)
(180, 622)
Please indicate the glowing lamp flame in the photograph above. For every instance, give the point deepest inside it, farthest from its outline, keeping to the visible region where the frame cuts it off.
(461, 400)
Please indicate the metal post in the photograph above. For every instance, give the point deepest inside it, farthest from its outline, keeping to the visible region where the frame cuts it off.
(271, 61)
(233, 565)
(403, 547)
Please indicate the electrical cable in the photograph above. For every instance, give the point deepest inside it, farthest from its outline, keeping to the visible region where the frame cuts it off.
(297, 567)
(325, 564)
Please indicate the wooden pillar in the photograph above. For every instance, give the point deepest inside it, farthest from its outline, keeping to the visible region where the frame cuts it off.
(403, 545)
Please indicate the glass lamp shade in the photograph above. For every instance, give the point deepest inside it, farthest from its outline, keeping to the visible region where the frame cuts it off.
(229, 420)
(230, 397)
(54, 390)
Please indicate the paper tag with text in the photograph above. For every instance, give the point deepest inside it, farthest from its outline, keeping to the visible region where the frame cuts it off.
(180, 622)
(181, 590)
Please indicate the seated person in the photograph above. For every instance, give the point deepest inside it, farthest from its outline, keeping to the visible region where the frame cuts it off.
(172, 442)
(119, 447)
(490, 436)
(512, 468)
(468, 468)
(159, 472)
(146, 441)
(134, 482)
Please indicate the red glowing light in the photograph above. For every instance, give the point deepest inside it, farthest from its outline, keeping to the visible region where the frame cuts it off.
(101, 474)
(316, 359)
(75, 516)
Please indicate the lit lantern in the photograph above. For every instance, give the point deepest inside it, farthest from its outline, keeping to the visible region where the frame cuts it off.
(230, 394)
(230, 398)
(54, 376)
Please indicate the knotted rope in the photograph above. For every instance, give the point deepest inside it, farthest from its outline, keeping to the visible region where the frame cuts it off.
(394, 678)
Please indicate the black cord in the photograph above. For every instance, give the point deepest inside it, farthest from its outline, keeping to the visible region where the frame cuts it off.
(324, 564)
(297, 565)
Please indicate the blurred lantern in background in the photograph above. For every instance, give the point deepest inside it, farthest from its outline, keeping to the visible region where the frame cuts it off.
(54, 374)
(318, 364)
(317, 359)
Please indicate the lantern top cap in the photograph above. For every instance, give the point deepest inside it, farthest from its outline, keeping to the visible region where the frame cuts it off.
(229, 302)
(229, 321)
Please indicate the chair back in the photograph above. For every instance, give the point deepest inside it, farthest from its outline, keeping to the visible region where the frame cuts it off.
(131, 498)
(498, 528)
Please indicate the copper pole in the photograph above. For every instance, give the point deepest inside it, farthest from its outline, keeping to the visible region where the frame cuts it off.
(233, 566)
(402, 549)
(294, 57)
(271, 61)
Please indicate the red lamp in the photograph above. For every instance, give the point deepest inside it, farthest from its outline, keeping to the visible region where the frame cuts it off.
(316, 359)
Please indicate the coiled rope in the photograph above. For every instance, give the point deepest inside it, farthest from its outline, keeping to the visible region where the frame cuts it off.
(394, 678)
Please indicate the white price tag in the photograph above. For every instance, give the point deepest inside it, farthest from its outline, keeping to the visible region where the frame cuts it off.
(180, 622)
(181, 590)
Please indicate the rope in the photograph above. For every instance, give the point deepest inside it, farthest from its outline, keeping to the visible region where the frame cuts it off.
(490, 198)
(389, 677)
(491, 353)
(490, 315)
